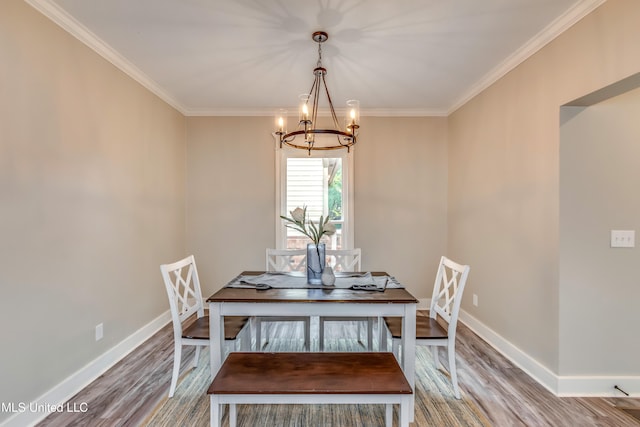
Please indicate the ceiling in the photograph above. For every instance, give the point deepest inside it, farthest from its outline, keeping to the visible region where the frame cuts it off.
(251, 57)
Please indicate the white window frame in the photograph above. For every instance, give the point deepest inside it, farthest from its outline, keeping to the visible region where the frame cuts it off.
(282, 154)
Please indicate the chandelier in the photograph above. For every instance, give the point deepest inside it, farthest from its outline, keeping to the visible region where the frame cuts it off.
(316, 138)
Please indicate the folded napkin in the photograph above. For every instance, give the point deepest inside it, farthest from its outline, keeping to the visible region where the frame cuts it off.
(361, 282)
(368, 287)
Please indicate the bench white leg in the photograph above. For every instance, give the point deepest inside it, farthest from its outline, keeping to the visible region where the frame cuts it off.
(217, 409)
(388, 420)
(233, 420)
(215, 417)
(404, 412)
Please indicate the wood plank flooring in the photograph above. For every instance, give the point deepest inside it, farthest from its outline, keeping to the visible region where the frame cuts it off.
(126, 394)
(509, 397)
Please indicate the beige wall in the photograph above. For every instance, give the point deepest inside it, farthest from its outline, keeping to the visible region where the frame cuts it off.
(230, 196)
(400, 196)
(599, 291)
(91, 202)
(504, 176)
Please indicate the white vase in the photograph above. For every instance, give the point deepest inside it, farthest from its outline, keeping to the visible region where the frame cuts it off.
(328, 278)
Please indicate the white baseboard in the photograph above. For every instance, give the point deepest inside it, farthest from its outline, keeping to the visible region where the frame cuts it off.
(522, 360)
(53, 399)
(565, 386)
(598, 386)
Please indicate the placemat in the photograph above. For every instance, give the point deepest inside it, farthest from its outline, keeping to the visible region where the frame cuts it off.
(355, 281)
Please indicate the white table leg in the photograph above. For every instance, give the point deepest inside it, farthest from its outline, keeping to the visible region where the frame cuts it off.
(307, 334)
(215, 417)
(409, 352)
(216, 337)
(382, 335)
(320, 334)
(369, 333)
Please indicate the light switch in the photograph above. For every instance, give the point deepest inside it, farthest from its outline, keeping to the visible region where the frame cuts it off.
(623, 238)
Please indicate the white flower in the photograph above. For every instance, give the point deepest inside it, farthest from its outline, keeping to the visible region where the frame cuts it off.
(298, 214)
(298, 221)
(329, 229)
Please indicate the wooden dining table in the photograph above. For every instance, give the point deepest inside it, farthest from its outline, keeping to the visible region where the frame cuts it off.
(323, 301)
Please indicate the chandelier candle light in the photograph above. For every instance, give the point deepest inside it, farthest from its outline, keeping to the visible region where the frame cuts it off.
(308, 115)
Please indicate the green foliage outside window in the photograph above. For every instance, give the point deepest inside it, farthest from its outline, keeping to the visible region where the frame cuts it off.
(335, 196)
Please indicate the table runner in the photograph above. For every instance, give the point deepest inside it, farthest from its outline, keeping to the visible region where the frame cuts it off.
(355, 281)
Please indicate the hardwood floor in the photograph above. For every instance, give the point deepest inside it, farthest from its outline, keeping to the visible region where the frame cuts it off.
(126, 394)
(509, 397)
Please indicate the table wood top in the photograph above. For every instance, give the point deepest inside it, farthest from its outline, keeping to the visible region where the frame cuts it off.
(316, 295)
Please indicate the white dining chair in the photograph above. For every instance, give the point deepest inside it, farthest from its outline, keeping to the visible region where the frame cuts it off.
(185, 302)
(439, 328)
(284, 260)
(346, 260)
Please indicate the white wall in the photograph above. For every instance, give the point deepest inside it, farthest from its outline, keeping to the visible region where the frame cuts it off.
(91, 202)
(599, 285)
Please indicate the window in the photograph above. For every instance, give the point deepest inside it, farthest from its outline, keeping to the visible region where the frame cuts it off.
(321, 182)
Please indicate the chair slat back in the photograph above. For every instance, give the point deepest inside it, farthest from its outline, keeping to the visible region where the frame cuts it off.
(286, 260)
(183, 289)
(344, 259)
(447, 292)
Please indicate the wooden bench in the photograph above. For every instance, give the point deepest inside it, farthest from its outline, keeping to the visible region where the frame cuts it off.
(310, 378)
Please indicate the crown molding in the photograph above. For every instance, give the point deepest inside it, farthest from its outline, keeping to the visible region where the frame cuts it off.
(264, 112)
(550, 32)
(403, 112)
(235, 112)
(72, 26)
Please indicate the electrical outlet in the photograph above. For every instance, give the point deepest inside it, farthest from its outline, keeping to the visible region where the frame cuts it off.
(623, 238)
(99, 332)
(475, 300)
